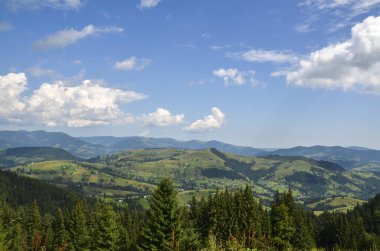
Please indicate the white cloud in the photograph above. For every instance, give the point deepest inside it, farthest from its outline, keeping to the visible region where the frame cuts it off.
(338, 13)
(57, 104)
(350, 65)
(263, 56)
(209, 123)
(161, 118)
(39, 4)
(233, 76)
(132, 63)
(5, 26)
(37, 71)
(82, 105)
(11, 87)
(65, 37)
(147, 4)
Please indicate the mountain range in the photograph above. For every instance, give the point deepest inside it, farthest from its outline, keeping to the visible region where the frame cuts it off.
(357, 158)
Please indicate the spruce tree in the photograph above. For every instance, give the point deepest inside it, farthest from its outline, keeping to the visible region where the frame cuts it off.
(282, 226)
(60, 232)
(163, 229)
(33, 227)
(3, 232)
(105, 229)
(78, 229)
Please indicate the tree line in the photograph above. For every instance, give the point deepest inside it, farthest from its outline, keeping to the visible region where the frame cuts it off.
(225, 220)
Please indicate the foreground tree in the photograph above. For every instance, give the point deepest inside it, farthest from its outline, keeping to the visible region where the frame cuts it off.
(163, 229)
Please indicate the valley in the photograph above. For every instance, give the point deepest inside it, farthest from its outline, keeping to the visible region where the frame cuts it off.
(133, 175)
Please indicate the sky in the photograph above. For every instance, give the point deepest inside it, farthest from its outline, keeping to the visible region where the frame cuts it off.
(257, 73)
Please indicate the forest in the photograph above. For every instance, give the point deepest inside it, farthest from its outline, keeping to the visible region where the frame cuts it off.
(58, 219)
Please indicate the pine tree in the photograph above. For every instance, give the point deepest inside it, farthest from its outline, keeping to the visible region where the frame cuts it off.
(105, 228)
(78, 229)
(3, 232)
(33, 227)
(163, 230)
(60, 233)
(282, 226)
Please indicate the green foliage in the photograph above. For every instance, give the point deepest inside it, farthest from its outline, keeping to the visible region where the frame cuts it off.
(78, 229)
(163, 230)
(105, 229)
(225, 220)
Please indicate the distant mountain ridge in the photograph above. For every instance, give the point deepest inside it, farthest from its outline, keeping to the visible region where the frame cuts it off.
(355, 157)
(134, 142)
(351, 158)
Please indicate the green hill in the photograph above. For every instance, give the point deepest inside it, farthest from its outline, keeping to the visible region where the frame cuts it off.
(22, 191)
(349, 157)
(24, 155)
(135, 173)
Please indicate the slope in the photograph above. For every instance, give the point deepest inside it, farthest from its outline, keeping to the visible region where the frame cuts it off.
(136, 172)
(24, 155)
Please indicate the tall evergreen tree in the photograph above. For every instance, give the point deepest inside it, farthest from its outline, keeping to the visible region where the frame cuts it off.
(282, 226)
(78, 229)
(33, 227)
(105, 228)
(163, 229)
(60, 232)
(3, 232)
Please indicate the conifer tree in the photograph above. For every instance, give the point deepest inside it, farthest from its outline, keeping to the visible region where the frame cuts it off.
(3, 232)
(282, 226)
(33, 227)
(105, 229)
(78, 229)
(163, 229)
(60, 232)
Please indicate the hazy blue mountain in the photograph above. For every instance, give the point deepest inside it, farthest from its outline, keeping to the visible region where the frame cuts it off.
(358, 158)
(76, 146)
(124, 143)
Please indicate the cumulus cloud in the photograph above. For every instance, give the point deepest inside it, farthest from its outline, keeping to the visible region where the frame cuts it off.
(63, 38)
(262, 56)
(209, 123)
(161, 118)
(5, 26)
(353, 64)
(11, 87)
(233, 76)
(39, 4)
(57, 104)
(147, 4)
(132, 63)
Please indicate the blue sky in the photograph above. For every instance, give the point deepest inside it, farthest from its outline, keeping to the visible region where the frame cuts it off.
(259, 73)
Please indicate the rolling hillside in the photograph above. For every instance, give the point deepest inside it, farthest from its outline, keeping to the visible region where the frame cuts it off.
(24, 155)
(136, 172)
(357, 158)
(350, 158)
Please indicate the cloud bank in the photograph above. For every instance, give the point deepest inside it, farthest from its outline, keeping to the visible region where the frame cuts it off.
(352, 65)
(55, 104)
